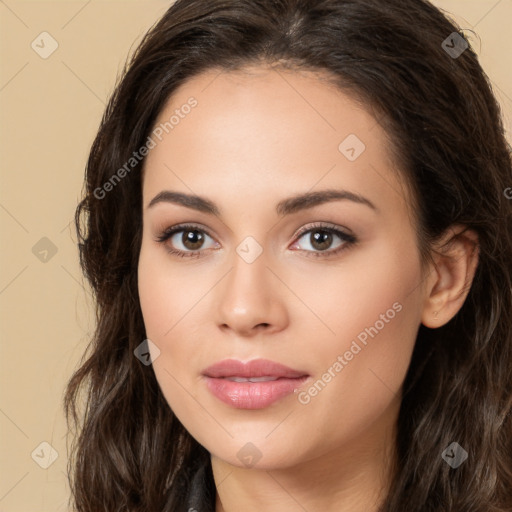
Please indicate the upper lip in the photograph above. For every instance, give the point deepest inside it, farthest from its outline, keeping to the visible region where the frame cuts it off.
(253, 368)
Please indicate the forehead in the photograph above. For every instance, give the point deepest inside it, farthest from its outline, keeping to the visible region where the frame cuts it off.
(262, 130)
(270, 105)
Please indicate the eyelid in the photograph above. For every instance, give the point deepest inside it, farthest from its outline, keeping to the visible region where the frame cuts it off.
(168, 232)
(326, 226)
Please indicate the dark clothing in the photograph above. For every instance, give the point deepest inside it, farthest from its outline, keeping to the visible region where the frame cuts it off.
(202, 494)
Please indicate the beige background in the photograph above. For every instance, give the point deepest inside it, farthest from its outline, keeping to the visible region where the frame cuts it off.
(50, 110)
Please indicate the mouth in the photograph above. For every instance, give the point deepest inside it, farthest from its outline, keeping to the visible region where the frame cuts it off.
(253, 385)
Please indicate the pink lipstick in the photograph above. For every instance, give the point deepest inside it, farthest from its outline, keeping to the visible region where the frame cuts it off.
(252, 385)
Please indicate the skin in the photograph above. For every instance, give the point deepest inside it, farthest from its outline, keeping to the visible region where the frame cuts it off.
(255, 138)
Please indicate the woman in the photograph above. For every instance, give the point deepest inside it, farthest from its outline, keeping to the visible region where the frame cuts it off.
(298, 233)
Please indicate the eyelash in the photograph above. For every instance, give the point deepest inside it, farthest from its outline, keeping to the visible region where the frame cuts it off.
(348, 240)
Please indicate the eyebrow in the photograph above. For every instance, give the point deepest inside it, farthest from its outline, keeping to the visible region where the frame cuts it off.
(284, 207)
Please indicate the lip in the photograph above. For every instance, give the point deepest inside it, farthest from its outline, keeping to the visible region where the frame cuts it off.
(253, 368)
(252, 395)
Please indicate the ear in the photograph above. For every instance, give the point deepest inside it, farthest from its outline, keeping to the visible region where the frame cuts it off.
(450, 275)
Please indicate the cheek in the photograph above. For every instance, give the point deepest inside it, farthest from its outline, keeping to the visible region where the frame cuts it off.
(164, 303)
(171, 303)
(363, 290)
(375, 300)
(154, 295)
(375, 312)
(165, 293)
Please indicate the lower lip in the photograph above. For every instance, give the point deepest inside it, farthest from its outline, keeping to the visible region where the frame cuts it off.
(252, 395)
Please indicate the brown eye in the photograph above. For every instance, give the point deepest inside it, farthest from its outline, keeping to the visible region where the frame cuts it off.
(320, 239)
(185, 240)
(192, 239)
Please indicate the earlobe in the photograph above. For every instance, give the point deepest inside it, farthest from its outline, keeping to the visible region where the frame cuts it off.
(455, 259)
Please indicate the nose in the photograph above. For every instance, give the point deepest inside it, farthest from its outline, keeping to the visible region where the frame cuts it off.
(250, 299)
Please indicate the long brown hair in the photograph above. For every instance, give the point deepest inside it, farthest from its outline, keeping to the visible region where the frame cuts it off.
(130, 452)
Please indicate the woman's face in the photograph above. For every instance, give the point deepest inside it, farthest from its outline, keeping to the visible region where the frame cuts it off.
(326, 284)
